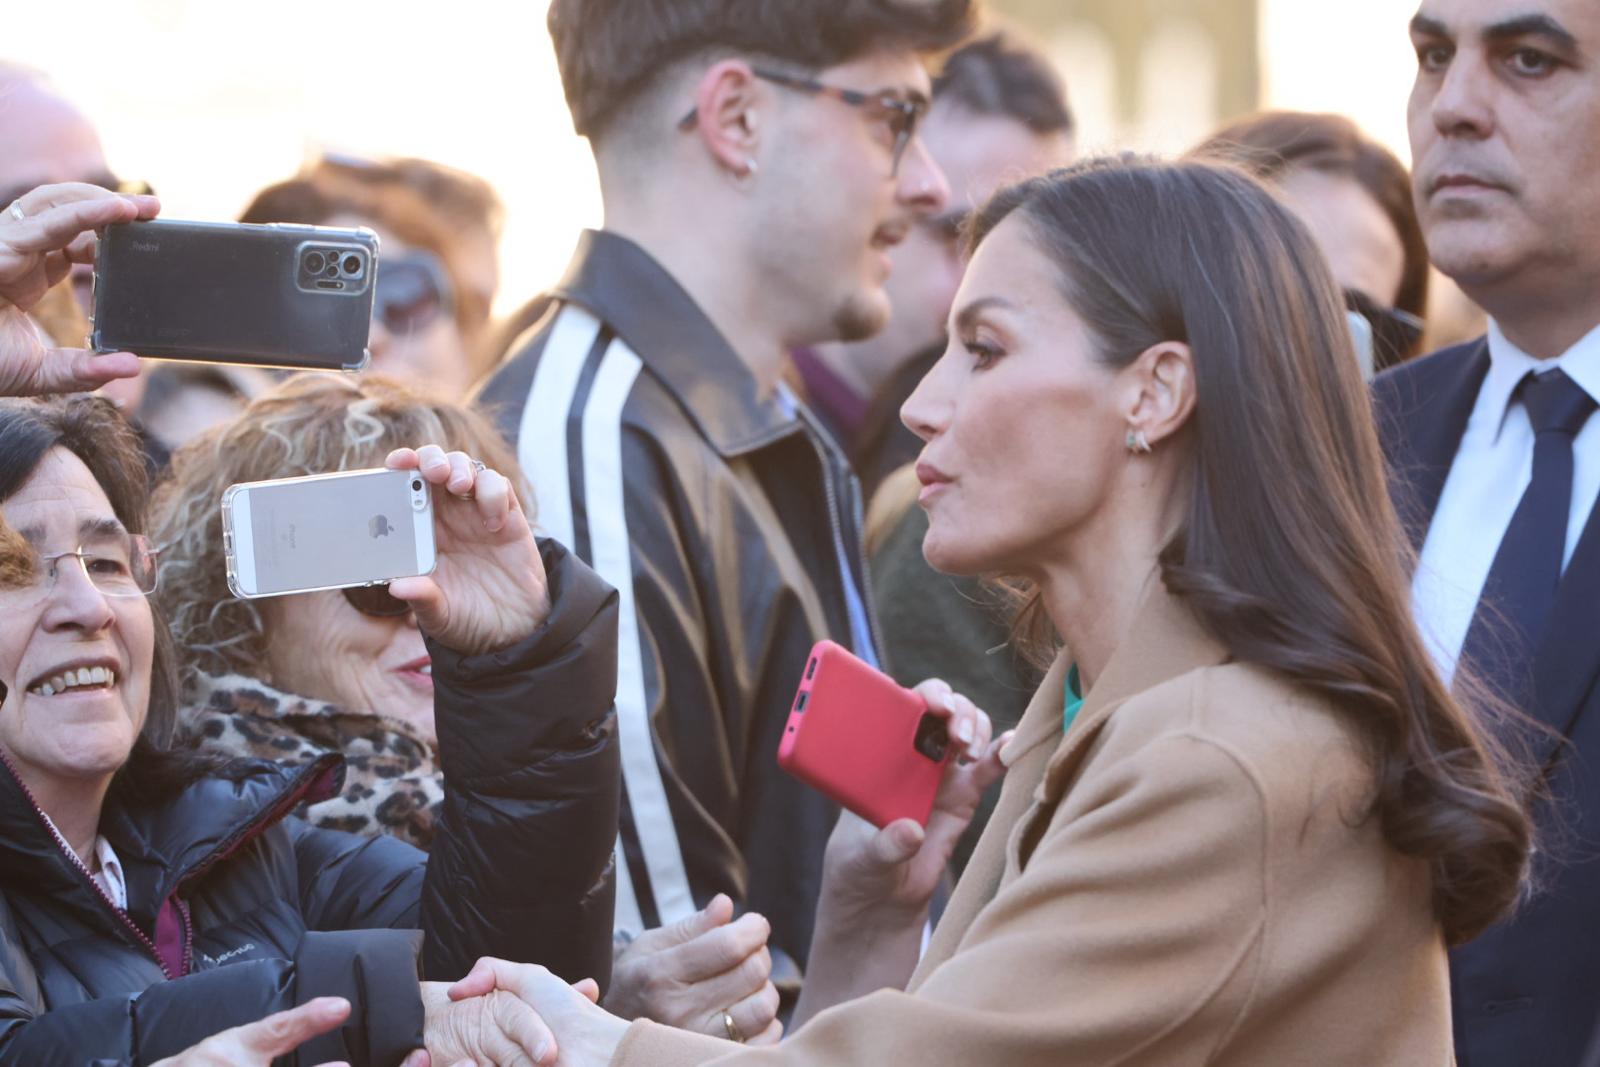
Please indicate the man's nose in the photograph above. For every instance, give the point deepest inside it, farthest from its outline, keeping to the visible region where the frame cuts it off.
(922, 184)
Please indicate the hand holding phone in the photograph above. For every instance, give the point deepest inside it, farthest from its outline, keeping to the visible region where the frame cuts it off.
(445, 534)
(857, 735)
(42, 234)
(489, 590)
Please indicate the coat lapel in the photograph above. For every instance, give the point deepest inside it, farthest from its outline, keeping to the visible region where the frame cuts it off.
(1166, 641)
(1422, 413)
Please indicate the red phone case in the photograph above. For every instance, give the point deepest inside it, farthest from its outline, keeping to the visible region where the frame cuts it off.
(853, 734)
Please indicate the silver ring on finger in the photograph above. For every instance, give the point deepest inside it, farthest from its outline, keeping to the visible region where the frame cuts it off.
(478, 467)
(732, 1029)
(16, 211)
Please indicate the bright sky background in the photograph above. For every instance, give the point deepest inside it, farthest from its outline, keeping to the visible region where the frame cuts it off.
(210, 100)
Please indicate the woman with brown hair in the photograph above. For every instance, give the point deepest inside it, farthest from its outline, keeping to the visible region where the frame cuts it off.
(1243, 816)
(1355, 196)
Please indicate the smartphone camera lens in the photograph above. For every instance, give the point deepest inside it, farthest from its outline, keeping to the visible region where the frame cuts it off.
(932, 739)
(352, 265)
(314, 262)
(416, 485)
(333, 269)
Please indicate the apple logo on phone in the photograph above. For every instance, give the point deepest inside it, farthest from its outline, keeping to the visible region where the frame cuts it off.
(379, 526)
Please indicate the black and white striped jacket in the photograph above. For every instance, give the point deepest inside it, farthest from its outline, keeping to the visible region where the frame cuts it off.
(731, 526)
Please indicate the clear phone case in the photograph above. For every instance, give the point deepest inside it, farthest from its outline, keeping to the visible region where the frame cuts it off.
(277, 295)
(326, 531)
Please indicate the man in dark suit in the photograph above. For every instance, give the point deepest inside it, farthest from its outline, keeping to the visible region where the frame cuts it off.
(1496, 451)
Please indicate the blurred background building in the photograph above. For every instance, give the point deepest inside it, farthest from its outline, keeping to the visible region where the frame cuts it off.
(210, 101)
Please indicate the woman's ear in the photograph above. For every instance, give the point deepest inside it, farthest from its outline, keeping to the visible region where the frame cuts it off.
(1165, 399)
(726, 116)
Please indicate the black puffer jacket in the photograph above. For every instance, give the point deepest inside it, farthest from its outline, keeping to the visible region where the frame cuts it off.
(236, 910)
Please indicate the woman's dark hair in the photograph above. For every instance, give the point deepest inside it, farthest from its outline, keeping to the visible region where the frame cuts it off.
(1289, 552)
(1272, 144)
(92, 429)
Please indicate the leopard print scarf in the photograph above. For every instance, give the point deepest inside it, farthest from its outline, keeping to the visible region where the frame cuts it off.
(392, 782)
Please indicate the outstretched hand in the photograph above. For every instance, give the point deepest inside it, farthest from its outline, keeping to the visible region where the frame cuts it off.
(36, 252)
(489, 589)
(693, 972)
(257, 1044)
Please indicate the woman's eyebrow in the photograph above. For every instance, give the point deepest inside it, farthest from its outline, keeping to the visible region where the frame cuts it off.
(967, 317)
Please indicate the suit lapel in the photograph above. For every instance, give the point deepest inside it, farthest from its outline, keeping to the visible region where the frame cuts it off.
(1422, 413)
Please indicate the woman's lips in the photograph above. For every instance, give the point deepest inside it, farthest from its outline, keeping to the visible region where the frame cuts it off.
(418, 674)
(933, 482)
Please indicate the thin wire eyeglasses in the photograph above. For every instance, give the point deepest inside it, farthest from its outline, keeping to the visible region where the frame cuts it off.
(119, 567)
(902, 116)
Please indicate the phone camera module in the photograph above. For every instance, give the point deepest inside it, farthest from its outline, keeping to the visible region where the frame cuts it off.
(933, 740)
(314, 262)
(416, 485)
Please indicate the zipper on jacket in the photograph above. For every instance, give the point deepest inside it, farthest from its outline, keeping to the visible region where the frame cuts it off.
(120, 915)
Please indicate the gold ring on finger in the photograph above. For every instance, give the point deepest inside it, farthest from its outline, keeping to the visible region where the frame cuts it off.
(732, 1028)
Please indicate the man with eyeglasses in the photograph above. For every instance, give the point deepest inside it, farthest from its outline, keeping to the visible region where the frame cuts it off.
(999, 114)
(758, 160)
(1496, 449)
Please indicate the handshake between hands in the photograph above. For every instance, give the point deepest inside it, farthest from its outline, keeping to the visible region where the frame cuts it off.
(506, 1014)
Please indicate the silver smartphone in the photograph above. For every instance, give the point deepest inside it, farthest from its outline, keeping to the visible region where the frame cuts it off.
(326, 531)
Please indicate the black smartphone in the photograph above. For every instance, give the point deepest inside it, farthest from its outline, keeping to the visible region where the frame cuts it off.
(221, 292)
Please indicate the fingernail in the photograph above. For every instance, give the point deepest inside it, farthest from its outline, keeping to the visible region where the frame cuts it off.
(964, 731)
(541, 1054)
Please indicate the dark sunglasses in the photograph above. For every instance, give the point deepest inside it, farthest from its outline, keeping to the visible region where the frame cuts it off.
(411, 291)
(1395, 333)
(901, 115)
(375, 600)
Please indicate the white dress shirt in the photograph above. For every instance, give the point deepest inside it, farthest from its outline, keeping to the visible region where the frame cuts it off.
(1492, 468)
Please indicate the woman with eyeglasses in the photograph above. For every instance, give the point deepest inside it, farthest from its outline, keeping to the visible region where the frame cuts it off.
(152, 895)
(297, 677)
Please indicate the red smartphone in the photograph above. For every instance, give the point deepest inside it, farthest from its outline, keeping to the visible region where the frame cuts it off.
(863, 739)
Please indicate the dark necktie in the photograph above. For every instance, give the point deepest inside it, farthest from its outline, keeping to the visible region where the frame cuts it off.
(1515, 605)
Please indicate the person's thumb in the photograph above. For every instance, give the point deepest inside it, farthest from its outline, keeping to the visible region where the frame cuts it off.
(589, 988)
(281, 1034)
(426, 599)
(719, 912)
(897, 842)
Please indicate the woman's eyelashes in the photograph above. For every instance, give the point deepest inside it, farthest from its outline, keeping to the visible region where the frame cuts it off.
(984, 353)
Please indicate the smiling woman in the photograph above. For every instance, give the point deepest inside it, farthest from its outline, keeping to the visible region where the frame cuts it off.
(154, 897)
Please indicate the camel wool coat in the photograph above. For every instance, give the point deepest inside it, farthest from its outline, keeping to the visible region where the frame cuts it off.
(1185, 878)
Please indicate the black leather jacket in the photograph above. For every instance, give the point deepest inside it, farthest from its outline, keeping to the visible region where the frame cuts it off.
(732, 524)
(236, 909)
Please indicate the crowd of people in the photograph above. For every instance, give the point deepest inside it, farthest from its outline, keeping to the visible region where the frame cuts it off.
(1266, 642)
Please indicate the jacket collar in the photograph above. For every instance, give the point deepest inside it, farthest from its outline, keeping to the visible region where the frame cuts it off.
(162, 845)
(1166, 641)
(623, 286)
(1422, 411)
